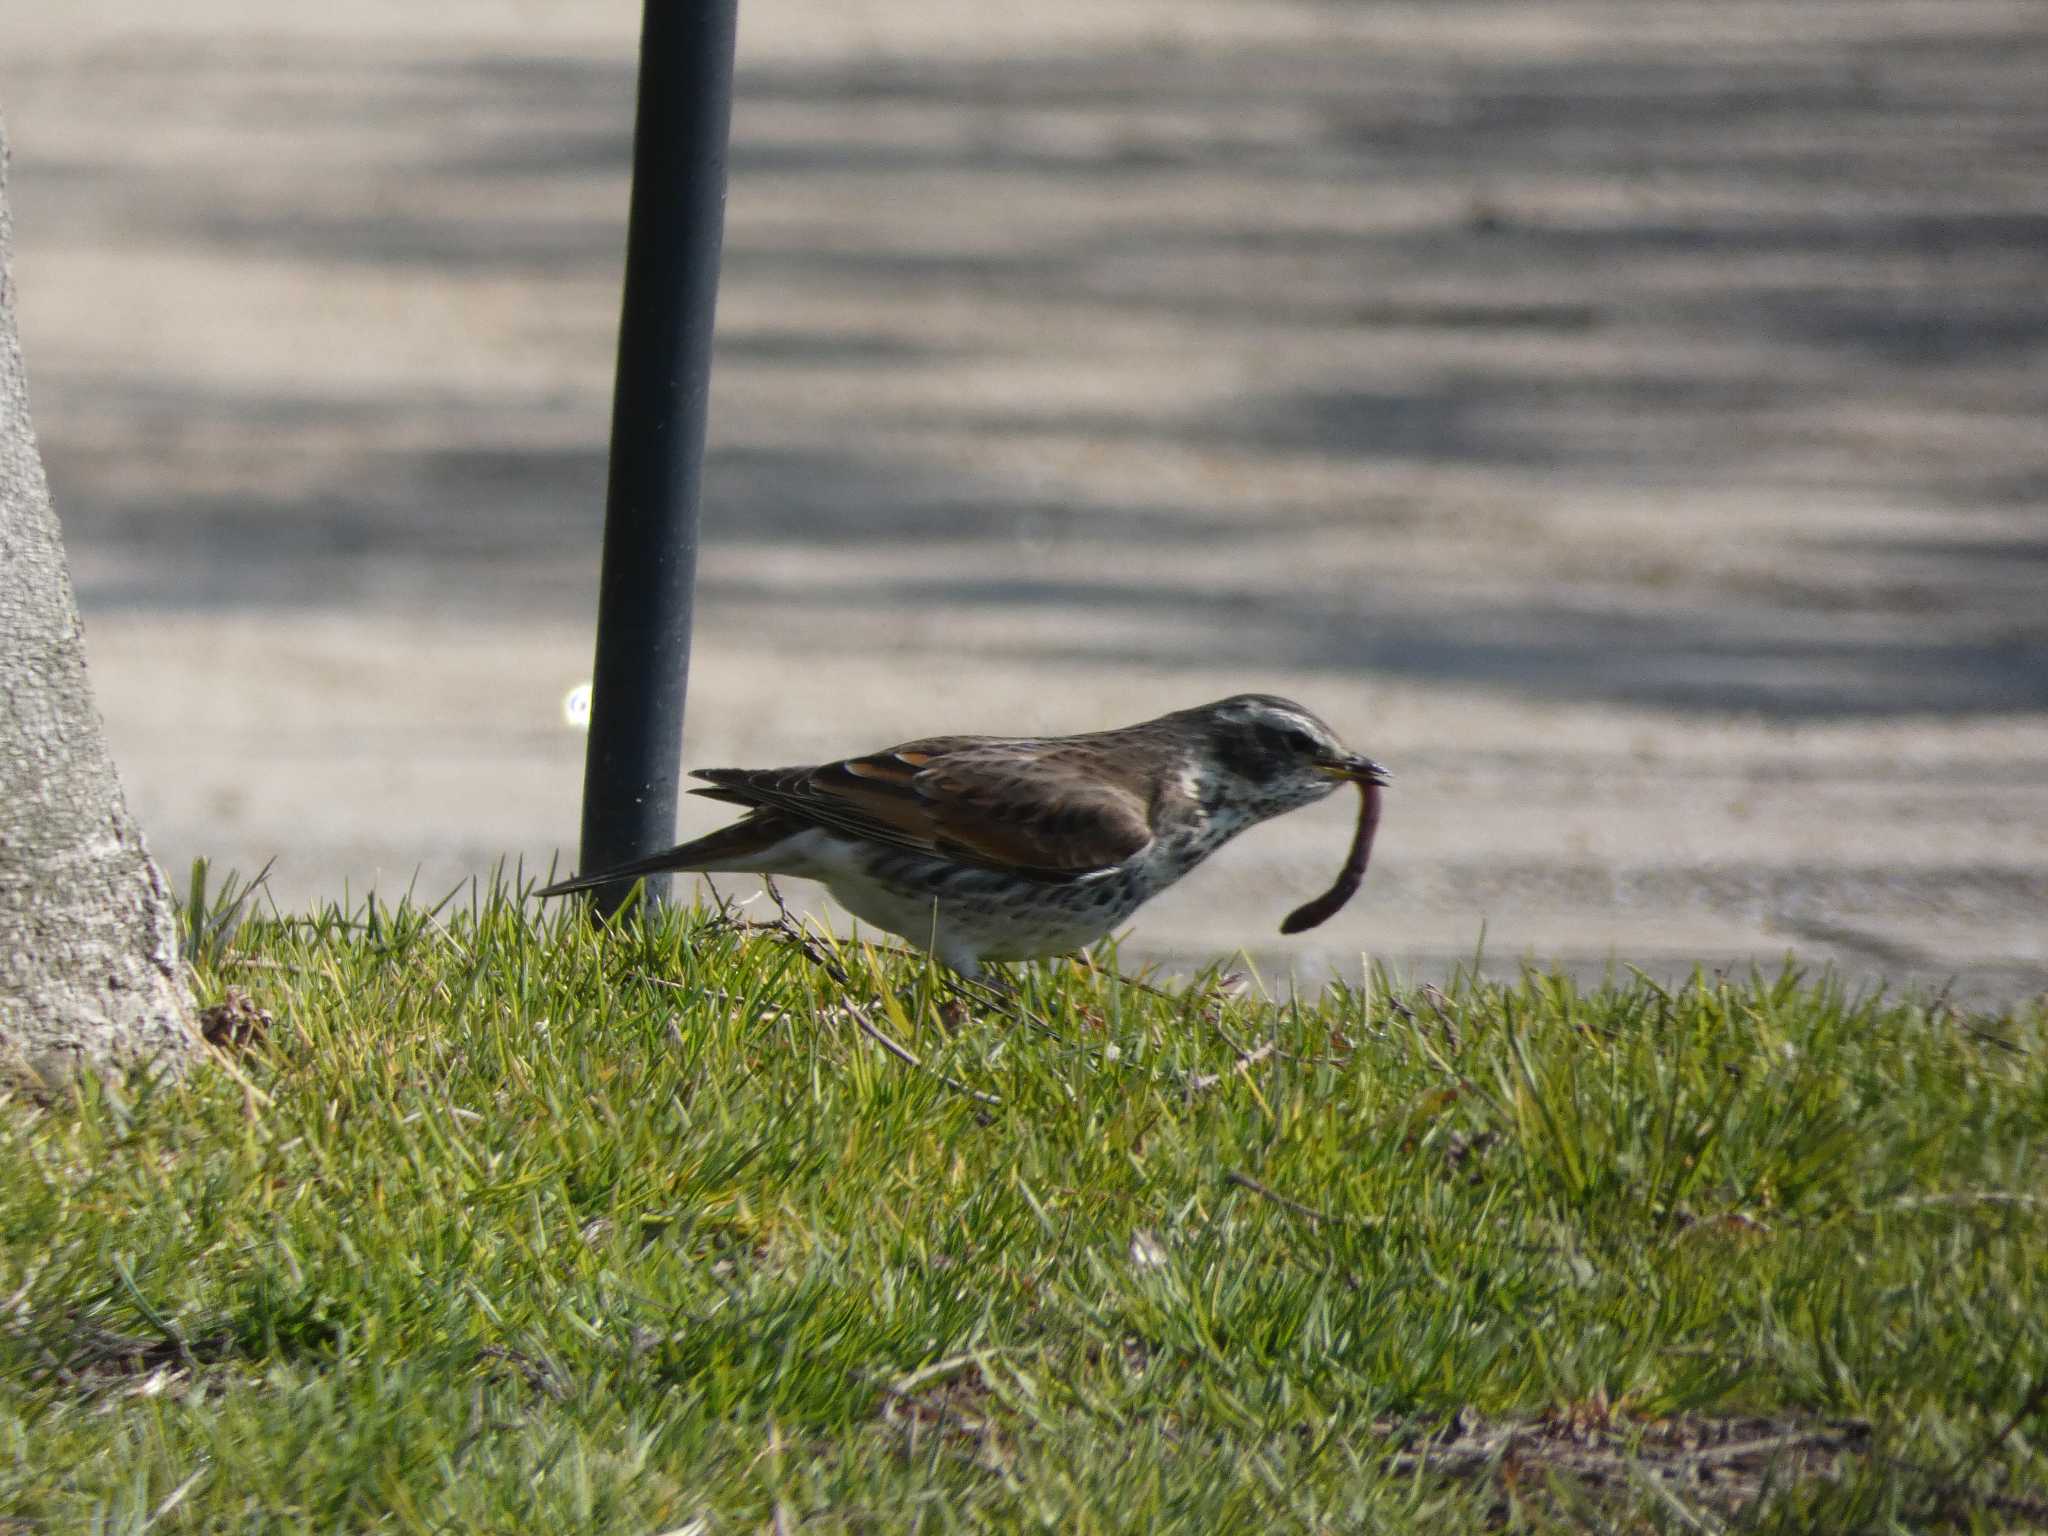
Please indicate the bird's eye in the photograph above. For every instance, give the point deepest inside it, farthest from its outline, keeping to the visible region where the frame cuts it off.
(1287, 739)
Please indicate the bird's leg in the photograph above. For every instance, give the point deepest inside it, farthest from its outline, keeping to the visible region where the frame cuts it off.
(1137, 982)
(985, 987)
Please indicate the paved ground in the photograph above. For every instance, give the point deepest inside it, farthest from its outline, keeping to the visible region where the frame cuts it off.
(1622, 418)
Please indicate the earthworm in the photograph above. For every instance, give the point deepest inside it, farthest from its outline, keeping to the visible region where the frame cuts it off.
(1325, 906)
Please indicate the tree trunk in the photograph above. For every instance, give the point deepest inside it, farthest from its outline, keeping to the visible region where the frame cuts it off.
(89, 973)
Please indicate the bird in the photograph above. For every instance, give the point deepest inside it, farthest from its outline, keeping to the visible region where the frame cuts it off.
(988, 848)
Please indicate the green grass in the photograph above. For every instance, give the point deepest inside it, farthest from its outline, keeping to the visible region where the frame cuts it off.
(510, 1225)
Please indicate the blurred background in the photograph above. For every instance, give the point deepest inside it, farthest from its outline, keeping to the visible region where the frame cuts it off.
(1623, 418)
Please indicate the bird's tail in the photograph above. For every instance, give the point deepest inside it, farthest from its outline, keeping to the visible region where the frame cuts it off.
(729, 848)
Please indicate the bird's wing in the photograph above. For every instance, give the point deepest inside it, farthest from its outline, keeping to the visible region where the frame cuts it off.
(1036, 808)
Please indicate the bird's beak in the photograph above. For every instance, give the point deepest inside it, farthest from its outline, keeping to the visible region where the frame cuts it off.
(1354, 770)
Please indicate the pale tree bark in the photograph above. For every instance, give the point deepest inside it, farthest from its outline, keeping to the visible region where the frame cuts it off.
(89, 972)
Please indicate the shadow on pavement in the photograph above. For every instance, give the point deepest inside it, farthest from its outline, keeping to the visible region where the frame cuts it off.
(1695, 273)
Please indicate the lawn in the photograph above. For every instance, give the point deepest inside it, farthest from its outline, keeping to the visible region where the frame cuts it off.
(483, 1221)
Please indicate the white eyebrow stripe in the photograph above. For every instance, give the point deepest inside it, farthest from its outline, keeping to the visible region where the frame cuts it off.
(1301, 722)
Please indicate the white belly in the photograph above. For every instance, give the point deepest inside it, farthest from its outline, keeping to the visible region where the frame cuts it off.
(961, 932)
(964, 934)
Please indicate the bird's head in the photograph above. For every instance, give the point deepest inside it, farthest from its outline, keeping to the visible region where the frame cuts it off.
(1275, 755)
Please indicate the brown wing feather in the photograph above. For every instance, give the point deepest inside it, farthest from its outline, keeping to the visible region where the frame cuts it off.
(1040, 808)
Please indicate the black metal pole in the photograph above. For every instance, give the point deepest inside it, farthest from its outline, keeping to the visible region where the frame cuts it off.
(646, 588)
